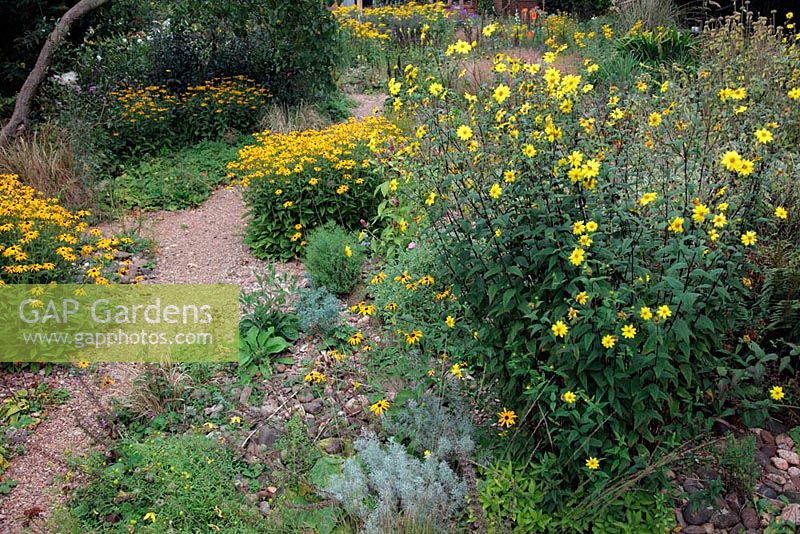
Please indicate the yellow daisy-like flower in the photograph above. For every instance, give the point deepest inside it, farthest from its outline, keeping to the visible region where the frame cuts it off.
(501, 93)
(495, 191)
(83, 364)
(763, 136)
(647, 198)
(450, 321)
(628, 331)
(655, 119)
(645, 313)
(609, 341)
(749, 238)
(464, 132)
(776, 393)
(781, 213)
(457, 370)
(560, 328)
(582, 298)
(664, 312)
(348, 251)
(577, 257)
(413, 337)
(507, 418)
(592, 463)
(676, 226)
(591, 226)
(569, 397)
(731, 160)
(379, 407)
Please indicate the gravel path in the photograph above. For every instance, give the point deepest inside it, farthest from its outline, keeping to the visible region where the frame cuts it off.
(69, 430)
(197, 246)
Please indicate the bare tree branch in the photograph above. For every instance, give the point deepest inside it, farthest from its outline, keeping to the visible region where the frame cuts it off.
(22, 107)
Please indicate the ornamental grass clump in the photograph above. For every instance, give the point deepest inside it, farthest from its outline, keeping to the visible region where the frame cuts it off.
(297, 181)
(604, 245)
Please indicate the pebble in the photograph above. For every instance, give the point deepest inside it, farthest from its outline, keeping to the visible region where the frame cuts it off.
(791, 513)
(785, 440)
(780, 463)
(794, 472)
(749, 518)
(789, 456)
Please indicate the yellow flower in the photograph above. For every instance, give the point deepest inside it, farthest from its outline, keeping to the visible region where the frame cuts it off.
(592, 463)
(577, 257)
(719, 220)
(457, 371)
(413, 337)
(781, 213)
(647, 198)
(645, 313)
(431, 200)
(794, 94)
(83, 364)
(560, 329)
(450, 321)
(591, 226)
(495, 191)
(749, 238)
(507, 418)
(585, 241)
(582, 298)
(379, 407)
(348, 251)
(464, 132)
(462, 47)
(150, 516)
(628, 331)
(569, 397)
(731, 160)
(501, 93)
(676, 225)
(609, 341)
(235, 420)
(489, 30)
(655, 119)
(763, 136)
(776, 393)
(664, 312)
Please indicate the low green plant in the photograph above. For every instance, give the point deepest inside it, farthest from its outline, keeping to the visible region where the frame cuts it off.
(23, 408)
(268, 305)
(176, 181)
(318, 310)
(738, 466)
(334, 259)
(171, 483)
(665, 45)
(298, 454)
(258, 350)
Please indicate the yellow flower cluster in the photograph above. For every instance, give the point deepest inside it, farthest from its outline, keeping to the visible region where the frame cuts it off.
(152, 103)
(41, 241)
(297, 181)
(382, 23)
(219, 93)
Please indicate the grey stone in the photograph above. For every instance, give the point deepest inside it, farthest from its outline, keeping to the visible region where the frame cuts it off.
(780, 463)
(750, 518)
(696, 529)
(313, 407)
(791, 513)
(263, 507)
(790, 457)
(724, 518)
(267, 436)
(697, 514)
(793, 496)
(767, 437)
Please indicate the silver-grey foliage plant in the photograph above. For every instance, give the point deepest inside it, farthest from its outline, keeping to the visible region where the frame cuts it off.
(386, 487)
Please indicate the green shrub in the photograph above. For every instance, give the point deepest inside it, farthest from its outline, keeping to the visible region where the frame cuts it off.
(297, 181)
(665, 45)
(318, 310)
(173, 483)
(334, 259)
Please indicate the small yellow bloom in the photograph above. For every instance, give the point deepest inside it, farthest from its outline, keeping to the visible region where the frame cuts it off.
(609, 341)
(379, 407)
(776, 393)
(495, 191)
(781, 213)
(749, 238)
(577, 257)
(628, 331)
(645, 313)
(582, 298)
(569, 397)
(348, 251)
(592, 463)
(507, 418)
(664, 312)
(560, 328)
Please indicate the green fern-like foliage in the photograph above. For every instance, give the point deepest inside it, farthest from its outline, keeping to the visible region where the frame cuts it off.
(780, 293)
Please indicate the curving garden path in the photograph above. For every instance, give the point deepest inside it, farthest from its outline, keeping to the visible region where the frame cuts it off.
(196, 246)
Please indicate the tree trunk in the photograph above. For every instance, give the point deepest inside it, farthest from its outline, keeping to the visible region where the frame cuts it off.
(22, 107)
